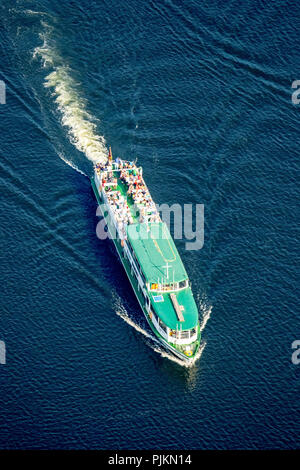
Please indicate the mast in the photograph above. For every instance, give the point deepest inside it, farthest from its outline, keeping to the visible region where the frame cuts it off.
(110, 155)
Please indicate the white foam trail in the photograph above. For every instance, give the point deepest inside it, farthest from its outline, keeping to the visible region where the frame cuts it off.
(206, 317)
(71, 164)
(206, 310)
(121, 311)
(81, 128)
(171, 357)
(38, 13)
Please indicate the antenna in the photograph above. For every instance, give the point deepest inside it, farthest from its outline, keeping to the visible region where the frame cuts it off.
(167, 269)
(110, 155)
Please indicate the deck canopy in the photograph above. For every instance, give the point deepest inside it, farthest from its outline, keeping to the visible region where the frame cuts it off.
(156, 253)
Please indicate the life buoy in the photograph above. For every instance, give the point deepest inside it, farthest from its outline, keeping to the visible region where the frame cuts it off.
(188, 353)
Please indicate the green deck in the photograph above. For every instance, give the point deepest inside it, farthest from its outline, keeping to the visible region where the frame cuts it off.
(156, 252)
(167, 314)
(123, 190)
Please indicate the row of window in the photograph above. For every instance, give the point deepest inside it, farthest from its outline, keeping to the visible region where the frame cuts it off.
(160, 322)
(169, 287)
(184, 334)
(136, 261)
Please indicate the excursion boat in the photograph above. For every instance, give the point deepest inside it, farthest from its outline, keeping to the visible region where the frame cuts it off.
(149, 255)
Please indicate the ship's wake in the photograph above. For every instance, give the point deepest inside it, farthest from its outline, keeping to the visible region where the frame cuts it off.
(164, 353)
(122, 312)
(153, 342)
(71, 105)
(71, 164)
(206, 316)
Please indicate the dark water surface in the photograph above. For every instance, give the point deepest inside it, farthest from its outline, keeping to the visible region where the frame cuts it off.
(200, 92)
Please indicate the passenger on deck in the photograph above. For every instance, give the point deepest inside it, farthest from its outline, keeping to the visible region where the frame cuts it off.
(118, 163)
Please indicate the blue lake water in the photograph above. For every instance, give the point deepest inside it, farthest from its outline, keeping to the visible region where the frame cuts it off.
(200, 93)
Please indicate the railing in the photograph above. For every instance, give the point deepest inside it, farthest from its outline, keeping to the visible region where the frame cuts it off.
(133, 265)
(158, 327)
(163, 288)
(182, 336)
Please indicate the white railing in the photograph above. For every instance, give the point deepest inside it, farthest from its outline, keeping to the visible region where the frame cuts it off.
(134, 266)
(161, 290)
(159, 329)
(175, 340)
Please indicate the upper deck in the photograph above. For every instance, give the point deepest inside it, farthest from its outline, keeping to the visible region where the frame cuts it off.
(127, 193)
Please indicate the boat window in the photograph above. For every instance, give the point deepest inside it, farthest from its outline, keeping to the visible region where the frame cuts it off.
(130, 246)
(174, 333)
(168, 287)
(135, 270)
(162, 325)
(183, 284)
(185, 334)
(142, 276)
(154, 286)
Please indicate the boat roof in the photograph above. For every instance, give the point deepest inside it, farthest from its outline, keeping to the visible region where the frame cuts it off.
(156, 252)
(164, 308)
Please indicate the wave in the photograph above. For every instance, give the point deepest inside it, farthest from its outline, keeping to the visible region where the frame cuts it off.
(71, 105)
(71, 164)
(206, 317)
(38, 13)
(122, 312)
(204, 308)
(182, 363)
